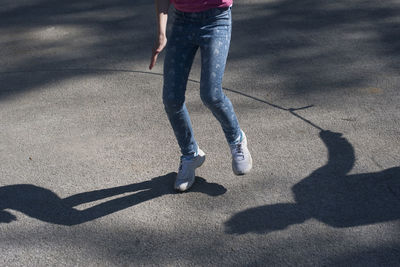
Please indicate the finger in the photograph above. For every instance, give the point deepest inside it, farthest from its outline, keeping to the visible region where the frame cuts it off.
(153, 59)
(154, 56)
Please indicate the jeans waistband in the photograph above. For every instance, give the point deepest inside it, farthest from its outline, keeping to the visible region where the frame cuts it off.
(202, 14)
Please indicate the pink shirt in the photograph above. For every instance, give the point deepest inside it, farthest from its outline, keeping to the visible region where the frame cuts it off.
(199, 5)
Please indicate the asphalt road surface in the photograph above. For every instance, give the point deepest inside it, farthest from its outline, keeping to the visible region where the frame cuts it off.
(88, 159)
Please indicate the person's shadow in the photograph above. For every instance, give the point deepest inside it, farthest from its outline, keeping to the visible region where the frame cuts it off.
(329, 195)
(45, 205)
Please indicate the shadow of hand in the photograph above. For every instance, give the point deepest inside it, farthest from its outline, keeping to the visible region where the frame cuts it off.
(329, 135)
(6, 217)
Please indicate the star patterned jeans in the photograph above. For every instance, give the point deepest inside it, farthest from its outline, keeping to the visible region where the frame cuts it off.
(210, 31)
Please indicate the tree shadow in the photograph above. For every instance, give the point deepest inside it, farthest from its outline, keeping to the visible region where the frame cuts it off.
(317, 45)
(311, 45)
(47, 35)
(42, 204)
(329, 195)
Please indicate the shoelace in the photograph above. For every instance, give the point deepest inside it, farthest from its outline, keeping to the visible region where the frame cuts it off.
(181, 164)
(237, 150)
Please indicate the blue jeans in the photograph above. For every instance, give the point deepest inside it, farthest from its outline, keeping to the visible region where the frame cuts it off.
(210, 31)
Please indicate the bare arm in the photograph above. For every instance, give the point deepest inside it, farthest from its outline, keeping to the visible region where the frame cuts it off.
(162, 7)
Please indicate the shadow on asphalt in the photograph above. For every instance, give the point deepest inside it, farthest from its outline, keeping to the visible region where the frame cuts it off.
(317, 45)
(312, 46)
(329, 195)
(51, 35)
(43, 204)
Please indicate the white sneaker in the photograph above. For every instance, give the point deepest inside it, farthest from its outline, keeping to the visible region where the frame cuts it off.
(186, 174)
(241, 158)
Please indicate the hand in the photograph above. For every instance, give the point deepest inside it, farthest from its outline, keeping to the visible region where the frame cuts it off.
(161, 42)
(326, 134)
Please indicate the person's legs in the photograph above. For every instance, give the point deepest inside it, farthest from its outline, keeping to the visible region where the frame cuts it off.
(214, 43)
(180, 52)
